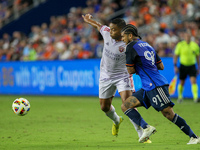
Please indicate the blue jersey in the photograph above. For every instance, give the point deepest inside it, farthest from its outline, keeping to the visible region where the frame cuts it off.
(144, 59)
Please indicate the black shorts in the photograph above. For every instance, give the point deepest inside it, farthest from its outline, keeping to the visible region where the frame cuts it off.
(158, 98)
(184, 71)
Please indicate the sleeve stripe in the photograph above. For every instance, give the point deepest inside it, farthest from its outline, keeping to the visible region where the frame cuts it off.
(130, 65)
(159, 61)
(106, 29)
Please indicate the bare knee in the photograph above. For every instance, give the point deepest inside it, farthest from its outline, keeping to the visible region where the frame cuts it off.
(105, 108)
(105, 104)
(168, 113)
(123, 107)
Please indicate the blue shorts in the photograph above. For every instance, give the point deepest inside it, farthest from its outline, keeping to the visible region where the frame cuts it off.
(158, 98)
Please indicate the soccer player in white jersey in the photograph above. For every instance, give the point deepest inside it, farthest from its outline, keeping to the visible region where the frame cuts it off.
(113, 72)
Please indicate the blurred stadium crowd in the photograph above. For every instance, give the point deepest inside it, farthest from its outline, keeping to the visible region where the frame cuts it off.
(160, 22)
(12, 9)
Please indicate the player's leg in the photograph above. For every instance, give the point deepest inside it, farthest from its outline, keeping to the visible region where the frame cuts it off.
(124, 95)
(126, 89)
(128, 109)
(193, 81)
(182, 76)
(106, 92)
(180, 91)
(161, 102)
(140, 131)
(109, 109)
(181, 123)
(194, 89)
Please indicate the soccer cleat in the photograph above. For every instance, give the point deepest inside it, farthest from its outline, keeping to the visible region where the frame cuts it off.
(179, 101)
(115, 128)
(148, 141)
(147, 133)
(194, 141)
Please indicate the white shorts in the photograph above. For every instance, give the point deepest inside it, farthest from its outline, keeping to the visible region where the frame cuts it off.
(108, 88)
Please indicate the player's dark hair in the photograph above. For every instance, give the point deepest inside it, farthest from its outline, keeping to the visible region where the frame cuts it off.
(119, 22)
(130, 29)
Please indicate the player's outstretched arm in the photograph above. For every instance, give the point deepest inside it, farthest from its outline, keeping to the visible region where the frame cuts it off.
(88, 19)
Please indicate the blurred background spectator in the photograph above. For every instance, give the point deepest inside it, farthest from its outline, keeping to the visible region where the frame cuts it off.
(160, 22)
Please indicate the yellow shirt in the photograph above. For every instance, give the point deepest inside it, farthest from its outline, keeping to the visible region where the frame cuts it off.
(187, 52)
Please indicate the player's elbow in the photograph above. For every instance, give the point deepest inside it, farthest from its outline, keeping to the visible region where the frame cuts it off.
(131, 70)
(160, 66)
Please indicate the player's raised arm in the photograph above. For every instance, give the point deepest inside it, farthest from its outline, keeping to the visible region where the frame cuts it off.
(88, 19)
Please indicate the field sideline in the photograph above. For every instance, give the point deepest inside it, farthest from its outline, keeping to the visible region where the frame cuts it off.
(77, 123)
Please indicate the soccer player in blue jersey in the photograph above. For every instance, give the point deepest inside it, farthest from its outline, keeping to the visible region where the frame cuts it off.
(142, 59)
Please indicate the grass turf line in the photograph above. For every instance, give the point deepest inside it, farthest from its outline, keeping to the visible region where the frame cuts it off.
(77, 123)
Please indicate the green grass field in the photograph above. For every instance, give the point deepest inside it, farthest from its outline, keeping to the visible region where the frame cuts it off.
(77, 123)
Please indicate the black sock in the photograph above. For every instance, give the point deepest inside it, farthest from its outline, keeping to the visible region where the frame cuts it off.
(180, 122)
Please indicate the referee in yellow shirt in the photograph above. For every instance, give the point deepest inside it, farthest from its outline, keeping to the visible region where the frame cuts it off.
(188, 51)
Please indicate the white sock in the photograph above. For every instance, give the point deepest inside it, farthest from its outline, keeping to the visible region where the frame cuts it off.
(137, 128)
(113, 115)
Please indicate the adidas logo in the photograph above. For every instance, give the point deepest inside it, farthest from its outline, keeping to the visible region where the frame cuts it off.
(182, 127)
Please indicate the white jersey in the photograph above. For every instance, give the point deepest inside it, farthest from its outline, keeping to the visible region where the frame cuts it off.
(113, 61)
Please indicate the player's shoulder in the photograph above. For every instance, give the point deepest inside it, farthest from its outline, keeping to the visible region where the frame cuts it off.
(104, 28)
(194, 43)
(131, 44)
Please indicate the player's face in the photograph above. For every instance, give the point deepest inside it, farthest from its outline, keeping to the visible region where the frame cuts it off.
(115, 31)
(125, 38)
(187, 37)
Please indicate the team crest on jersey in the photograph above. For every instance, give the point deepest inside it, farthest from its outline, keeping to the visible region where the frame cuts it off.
(121, 49)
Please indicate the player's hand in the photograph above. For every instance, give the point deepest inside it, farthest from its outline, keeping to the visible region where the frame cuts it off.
(176, 70)
(87, 18)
